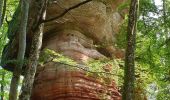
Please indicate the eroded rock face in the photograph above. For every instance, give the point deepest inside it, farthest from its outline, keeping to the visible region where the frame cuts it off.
(96, 20)
(61, 83)
(77, 35)
(92, 19)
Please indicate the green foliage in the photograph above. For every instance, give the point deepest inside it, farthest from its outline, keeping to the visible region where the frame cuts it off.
(48, 55)
(152, 33)
(6, 82)
(152, 47)
(121, 36)
(123, 6)
(103, 69)
(163, 93)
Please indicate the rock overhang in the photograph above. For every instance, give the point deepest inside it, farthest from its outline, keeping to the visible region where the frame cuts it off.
(95, 20)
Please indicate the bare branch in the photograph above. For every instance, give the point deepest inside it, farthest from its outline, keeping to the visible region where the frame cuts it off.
(66, 11)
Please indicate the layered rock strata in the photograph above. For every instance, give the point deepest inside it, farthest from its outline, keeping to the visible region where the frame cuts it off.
(84, 33)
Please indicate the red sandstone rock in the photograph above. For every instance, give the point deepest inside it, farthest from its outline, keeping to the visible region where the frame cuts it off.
(59, 83)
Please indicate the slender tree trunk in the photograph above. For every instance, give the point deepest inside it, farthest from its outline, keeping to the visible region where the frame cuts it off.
(21, 52)
(164, 10)
(129, 78)
(3, 12)
(1, 7)
(33, 59)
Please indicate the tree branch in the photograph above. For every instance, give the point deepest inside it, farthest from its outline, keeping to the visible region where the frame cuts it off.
(66, 11)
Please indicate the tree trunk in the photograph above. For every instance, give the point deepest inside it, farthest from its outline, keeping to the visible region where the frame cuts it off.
(32, 65)
(2, 11)
(129, 78)
(33, 59)
(21, 53)
(1, 7)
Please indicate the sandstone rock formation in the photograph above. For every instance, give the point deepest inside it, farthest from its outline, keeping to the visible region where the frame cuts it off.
(76, 35)
(58, 82)
(84, 33)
